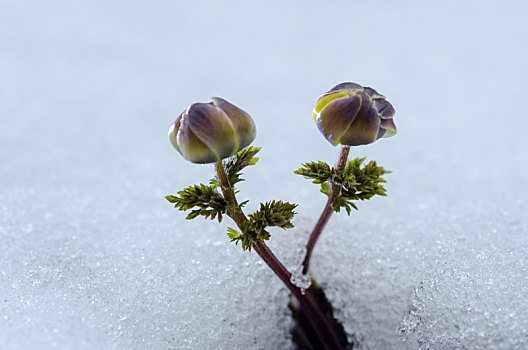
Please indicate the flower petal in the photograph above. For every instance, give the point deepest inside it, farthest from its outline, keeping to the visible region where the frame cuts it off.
(191, 147)
(372, 93)
(389, 127)
(214, 128)
(381, 133)
(346, 86)
(364, 129)
(324, 100)
(338, 91)
(173, 132)
(242, 121)
(384, 108)
(336, 117)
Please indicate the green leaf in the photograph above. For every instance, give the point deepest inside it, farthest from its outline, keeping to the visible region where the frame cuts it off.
(320, 172)
(202, 199)
(274, 213)
(235, 164)
(358, 181)
(232, 233)
(362, 182)
(192, 214)
(325, 188)
(368, 180)
(214, 182)
(172, 199)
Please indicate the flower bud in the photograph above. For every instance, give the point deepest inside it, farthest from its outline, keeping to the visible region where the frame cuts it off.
(209, 132)
(352, 115)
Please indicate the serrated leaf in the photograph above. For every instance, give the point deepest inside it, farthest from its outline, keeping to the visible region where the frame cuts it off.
(325, 188)
(214, 182)
(202, 199)
(192, 214)
(319, 171)
(233, 234)
(273, 213)
(172, 199)
(235, 164)
(360, 182)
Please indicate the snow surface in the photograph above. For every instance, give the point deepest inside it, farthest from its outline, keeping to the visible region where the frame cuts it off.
(93, 257)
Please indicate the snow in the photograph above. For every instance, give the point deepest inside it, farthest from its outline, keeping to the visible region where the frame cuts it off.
(93, 257)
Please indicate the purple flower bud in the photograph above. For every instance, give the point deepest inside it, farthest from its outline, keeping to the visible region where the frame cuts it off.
(352, 115)
(209, 132)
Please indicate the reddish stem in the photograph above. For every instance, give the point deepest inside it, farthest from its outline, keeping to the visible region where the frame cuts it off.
(316, 318)
(335, 191)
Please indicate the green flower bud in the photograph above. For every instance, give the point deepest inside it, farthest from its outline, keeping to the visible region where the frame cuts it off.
(209, 132)
(352, 115)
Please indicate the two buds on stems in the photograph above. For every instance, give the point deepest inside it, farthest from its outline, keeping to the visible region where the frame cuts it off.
(347, 114)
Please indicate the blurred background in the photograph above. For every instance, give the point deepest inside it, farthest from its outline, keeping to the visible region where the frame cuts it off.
(94, 258)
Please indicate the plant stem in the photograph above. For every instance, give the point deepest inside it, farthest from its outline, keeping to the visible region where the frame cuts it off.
(316, 318)
(335, 191)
